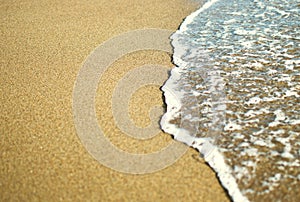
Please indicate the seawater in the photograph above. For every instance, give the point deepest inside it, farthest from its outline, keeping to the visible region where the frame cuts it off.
(237, 85)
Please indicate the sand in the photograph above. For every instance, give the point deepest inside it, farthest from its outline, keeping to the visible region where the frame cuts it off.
(43, 46)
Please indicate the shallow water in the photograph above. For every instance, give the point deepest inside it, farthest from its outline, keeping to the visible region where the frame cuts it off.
(239, 68)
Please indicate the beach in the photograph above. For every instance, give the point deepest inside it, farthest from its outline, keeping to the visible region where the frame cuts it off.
(44, 44)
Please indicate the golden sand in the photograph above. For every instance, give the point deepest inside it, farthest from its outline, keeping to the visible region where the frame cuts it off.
(43, 45)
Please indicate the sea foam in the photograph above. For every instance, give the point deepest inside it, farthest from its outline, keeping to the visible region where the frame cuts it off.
(234, 94)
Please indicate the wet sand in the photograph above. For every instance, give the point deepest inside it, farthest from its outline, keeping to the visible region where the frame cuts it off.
(43, 46)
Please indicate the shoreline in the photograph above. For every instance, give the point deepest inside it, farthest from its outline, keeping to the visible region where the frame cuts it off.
(246, 178)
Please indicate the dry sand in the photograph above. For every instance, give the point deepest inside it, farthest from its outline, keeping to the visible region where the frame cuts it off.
(43, 45)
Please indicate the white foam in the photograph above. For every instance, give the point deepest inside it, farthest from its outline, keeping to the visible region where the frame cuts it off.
(190, 18)
(211, 153)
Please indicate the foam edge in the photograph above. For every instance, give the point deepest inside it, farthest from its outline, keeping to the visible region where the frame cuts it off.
(173, 97)
(210, 152)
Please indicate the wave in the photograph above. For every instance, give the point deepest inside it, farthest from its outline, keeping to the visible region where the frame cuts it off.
(234, 94)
